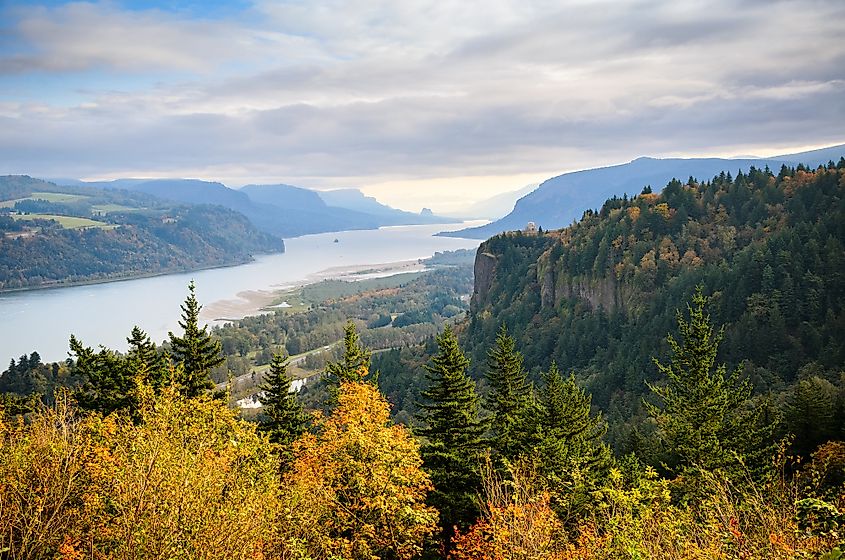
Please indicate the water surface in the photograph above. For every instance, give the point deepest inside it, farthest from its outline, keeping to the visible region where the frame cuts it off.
(42, 320)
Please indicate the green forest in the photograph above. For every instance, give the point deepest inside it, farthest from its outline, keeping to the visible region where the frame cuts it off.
(663, 379)
(51, 235)
(599, 297)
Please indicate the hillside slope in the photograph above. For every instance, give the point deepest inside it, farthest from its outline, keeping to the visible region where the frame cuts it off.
(282, 210)
(51, 235)
(560, 200)
(600, 296)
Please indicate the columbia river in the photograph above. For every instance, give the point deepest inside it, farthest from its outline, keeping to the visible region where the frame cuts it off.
(42, 320)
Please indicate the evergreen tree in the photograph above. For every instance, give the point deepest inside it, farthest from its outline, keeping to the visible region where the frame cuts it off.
(109, 381)
(573, 456)
(195, 350)
(353, 366)
(510, 399)
(703, 417)
(146, 359)
(453, 433)
(286, 420)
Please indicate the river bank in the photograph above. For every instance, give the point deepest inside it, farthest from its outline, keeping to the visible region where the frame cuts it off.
(104, 313)
(255, 302)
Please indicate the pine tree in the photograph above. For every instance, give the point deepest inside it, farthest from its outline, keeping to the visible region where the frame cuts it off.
(453, 433)
(703, 417)
(573, 456)
(353, 366)
(195, 350)
(286, 420)
(510, 399)
(146, 359)
(109, 381)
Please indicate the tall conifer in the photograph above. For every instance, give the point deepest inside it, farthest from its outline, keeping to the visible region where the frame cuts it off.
(573, 456)
(511, 400)
(195, 350)
(355, 363)
(146, 359)
(453, 433)
(286, 420)
(703, 416)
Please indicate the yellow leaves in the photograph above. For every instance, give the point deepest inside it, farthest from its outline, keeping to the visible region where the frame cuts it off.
(648, 262)
(191, 477)
(668, 251)
(356, 487)
(517, 523)
(691, 259)
(634, 213)
(663, 210)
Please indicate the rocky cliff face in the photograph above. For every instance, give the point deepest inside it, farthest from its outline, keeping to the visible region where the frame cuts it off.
(485, 270)
(546, 275)
(556, 284)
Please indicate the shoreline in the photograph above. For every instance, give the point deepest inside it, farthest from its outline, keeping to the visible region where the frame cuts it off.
(257, 302)
(139, 276)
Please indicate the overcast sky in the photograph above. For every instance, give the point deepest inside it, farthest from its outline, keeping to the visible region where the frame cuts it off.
(429, 103)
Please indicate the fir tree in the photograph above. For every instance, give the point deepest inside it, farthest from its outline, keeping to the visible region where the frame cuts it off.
(453, 433)
(353, 366)
(286, 420)
(109, 381)
(146, 359)
(573, 456)
(703, 417)
(510, 399)
(195, 350)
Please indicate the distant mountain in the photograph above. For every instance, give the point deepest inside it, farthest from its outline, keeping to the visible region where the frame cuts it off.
(282, 210)
(54, 235)
(304, 210)
(354, 199)
(562, 199)
(494, 207)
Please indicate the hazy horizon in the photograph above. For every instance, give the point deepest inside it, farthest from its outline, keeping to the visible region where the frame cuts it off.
(436, 104)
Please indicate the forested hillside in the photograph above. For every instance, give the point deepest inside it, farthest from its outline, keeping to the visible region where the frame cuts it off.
(52, 235)
(599, 297)
(558, 201)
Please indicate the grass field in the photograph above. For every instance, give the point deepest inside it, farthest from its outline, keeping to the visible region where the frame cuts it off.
(105, 208)
(57, 197)
(48, 196)
(67, 222)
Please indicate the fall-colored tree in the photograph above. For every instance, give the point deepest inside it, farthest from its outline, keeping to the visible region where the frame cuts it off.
(185, 479)
(356, 489)
(517, 522)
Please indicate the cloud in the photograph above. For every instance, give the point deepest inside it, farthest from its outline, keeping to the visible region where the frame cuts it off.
(330, 92)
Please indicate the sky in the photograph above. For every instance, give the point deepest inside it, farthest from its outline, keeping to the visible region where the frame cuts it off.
(433, 103)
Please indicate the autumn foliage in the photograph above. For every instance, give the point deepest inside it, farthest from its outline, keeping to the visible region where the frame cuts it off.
(356, 487)
(188, 479)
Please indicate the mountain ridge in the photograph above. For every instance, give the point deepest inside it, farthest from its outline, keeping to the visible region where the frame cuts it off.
(563, 198)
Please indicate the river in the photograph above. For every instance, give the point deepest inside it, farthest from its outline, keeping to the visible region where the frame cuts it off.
(42, 320)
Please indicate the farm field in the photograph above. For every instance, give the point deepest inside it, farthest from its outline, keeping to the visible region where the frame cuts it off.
(67, 222)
